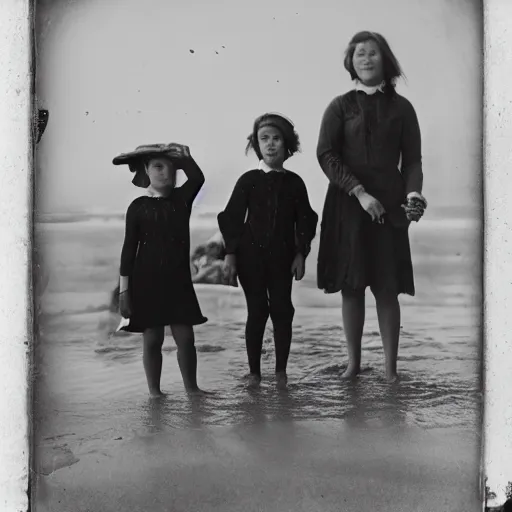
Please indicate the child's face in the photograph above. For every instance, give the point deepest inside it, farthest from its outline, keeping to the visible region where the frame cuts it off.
(272, 147)
(161, 173)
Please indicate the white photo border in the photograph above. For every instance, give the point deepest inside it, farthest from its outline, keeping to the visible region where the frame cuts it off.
(16, 81)
(15, 256)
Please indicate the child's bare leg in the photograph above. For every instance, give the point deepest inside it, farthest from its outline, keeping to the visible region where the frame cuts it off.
(152, 358)
(282, 313)
(388, 313)
(353, 312)
(257, 317)
(187, 356)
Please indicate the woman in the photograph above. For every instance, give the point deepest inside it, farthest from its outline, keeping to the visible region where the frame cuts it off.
(370, 202)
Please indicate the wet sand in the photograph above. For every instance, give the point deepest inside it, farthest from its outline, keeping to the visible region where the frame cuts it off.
(268, 467)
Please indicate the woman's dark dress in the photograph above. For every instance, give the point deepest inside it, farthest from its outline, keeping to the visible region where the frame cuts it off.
(155, 257)
(362, 139)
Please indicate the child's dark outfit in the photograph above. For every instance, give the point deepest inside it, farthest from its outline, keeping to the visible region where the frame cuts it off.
(362, 140)
(156, 257)
(280, 224)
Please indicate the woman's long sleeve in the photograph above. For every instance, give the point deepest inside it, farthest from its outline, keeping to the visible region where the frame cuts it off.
(194, 183)
(131, 242)
(306, 220)
(232, 219)
(412, 170)
(328, 149)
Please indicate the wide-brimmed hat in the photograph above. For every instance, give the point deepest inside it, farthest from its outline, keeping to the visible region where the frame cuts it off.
(136, 160)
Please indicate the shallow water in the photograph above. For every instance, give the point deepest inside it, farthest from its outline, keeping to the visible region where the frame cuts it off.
(91, 384)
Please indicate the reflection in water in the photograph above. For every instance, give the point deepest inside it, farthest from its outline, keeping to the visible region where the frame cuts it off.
(357, 403)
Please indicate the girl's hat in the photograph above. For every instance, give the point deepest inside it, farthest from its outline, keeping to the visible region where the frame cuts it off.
(270, 115)
(137, 159)
(277, 120)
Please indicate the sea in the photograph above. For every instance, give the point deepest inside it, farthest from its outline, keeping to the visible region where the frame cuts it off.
(90, 383)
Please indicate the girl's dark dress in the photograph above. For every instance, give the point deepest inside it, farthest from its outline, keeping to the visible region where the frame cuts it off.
(267, 221)
(156, 255)
(362, 139)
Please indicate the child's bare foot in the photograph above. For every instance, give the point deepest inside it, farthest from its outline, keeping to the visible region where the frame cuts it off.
(281, 380)
(351, 372)
(392, 376)
(253, 380)
(198, 392)
(156, 393)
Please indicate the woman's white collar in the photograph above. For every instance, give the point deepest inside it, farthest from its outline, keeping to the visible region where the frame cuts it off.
(370, 89)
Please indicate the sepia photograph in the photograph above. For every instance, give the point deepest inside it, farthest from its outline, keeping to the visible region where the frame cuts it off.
(258, 246)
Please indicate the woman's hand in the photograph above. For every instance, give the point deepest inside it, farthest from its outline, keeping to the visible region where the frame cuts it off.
(229, 267)
(371, 206)
(415, 208)
(124, 304)
(299, 267)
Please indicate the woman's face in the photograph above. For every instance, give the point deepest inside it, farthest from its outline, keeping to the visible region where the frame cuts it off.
(368, 63)
(272, 146)
(161, 173)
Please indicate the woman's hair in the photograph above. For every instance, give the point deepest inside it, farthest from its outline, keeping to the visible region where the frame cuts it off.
(290, 136)
(391, 67)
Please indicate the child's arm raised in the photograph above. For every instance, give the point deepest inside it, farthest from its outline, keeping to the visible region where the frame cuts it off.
(195, 176)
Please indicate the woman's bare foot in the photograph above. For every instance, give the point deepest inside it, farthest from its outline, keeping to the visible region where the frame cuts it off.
(281, 380)
(253, 380)
(351, 372)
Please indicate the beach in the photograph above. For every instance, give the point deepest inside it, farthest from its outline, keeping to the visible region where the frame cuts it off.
(324, 444)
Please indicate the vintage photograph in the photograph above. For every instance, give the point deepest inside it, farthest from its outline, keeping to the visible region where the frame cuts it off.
(258, 256)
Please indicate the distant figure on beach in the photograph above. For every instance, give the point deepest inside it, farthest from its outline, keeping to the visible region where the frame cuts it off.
(155, 286)
(370, 202)
(268, 225)
(207, 263)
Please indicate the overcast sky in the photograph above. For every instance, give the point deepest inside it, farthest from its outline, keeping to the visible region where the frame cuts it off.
(118, 74)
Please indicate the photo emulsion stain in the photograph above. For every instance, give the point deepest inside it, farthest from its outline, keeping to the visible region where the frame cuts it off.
(258, 256)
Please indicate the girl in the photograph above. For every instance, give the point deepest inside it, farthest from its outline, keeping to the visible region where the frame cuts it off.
(268, 226)
(370, 202)
(155, 287)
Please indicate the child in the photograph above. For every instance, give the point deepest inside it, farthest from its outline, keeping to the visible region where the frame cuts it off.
(155, 287)
(268, 226)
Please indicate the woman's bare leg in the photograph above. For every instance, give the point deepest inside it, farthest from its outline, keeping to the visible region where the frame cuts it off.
(353, 312)
(187, 356)
(152, 358)
(388, 312)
